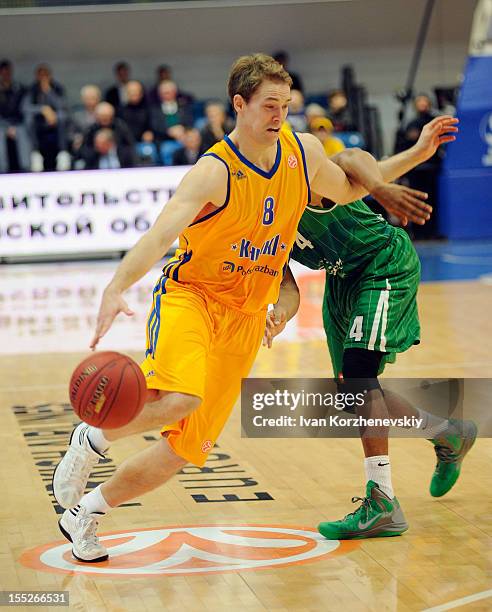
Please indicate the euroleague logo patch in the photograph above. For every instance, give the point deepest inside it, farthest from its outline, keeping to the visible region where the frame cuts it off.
(192, 549)
(292, 161)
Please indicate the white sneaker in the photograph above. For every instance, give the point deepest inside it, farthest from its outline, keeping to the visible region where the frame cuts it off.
(78, 526)
(72, 473)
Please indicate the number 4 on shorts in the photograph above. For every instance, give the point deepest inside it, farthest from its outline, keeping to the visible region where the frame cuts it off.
(356, 331)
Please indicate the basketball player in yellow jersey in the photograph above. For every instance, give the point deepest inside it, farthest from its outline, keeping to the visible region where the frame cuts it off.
(236, 213)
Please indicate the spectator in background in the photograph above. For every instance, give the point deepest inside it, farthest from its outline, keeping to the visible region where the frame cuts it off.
(192, 148)
(322, 128)
(423, 177)
(105, 119)
(136, 113)
(46, 117)
(15, 145)
(296, 118)
(446, 99)
(218, 124)
(164, 73)
(116, 94)
(169, 118)
(423, 114)
(282, 57)
(107, 155)
(339, 112)
(314, 111)
(84, 118)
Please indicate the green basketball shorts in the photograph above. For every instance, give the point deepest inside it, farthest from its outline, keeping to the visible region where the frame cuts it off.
(375, 308)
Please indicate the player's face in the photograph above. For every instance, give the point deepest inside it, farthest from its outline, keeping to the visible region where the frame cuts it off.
(266, 110)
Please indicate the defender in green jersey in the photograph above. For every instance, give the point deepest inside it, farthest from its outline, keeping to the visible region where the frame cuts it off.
(372, 276)
(370, 315)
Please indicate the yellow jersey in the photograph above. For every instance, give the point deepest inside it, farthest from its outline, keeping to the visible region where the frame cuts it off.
(237, 253)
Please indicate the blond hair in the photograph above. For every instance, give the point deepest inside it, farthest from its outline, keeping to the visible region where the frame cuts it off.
(249, 71)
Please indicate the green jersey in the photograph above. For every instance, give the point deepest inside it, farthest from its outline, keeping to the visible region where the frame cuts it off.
(340, 239)
(372, 276)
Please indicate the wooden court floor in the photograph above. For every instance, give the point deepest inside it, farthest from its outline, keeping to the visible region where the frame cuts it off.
(239, 533)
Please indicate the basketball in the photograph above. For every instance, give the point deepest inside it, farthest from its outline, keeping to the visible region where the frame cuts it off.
(107, 390)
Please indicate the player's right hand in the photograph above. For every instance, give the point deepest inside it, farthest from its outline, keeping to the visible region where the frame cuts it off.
(405, 203)
(437, 132)
(112, 304)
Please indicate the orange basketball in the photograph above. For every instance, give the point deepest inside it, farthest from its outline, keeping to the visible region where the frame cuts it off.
(107, 390)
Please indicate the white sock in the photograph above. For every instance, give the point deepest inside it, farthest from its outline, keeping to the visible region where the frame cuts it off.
(378, 469)
(97, 439)
(432, 425)
(94, 502)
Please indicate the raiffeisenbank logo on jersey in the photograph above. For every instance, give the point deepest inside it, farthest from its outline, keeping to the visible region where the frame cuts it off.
(190, 550)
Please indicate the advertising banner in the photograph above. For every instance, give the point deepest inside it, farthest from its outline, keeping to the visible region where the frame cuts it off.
(81, 212)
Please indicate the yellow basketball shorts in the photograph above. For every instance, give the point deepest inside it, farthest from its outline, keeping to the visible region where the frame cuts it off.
(198, 346)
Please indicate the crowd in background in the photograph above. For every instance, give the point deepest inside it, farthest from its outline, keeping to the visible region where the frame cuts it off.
(130, 125)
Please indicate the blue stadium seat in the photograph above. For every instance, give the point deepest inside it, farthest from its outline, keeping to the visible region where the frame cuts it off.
(147, 152)
(351, 139)
(199, 108)
(200, 123)
(167, 150)
(320, 99)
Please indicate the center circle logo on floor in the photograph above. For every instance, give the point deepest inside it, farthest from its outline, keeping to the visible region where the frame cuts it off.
(192, 549)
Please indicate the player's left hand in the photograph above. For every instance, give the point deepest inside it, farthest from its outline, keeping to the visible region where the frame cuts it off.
(435, 133)
(405, 203)
(276, 321)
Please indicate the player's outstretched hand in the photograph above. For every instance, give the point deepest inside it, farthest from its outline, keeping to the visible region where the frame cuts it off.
(276, 321)
(405, 203)
(435, 133)
(112, 304)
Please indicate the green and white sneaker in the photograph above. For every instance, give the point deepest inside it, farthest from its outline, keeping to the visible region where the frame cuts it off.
(378, 516)
(450, 448)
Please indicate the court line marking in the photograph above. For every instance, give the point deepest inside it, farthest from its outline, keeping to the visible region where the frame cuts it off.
(440, 366)
(401, 373)
(18, 388)
(466, 260)
(287, 374)
(458, 602)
